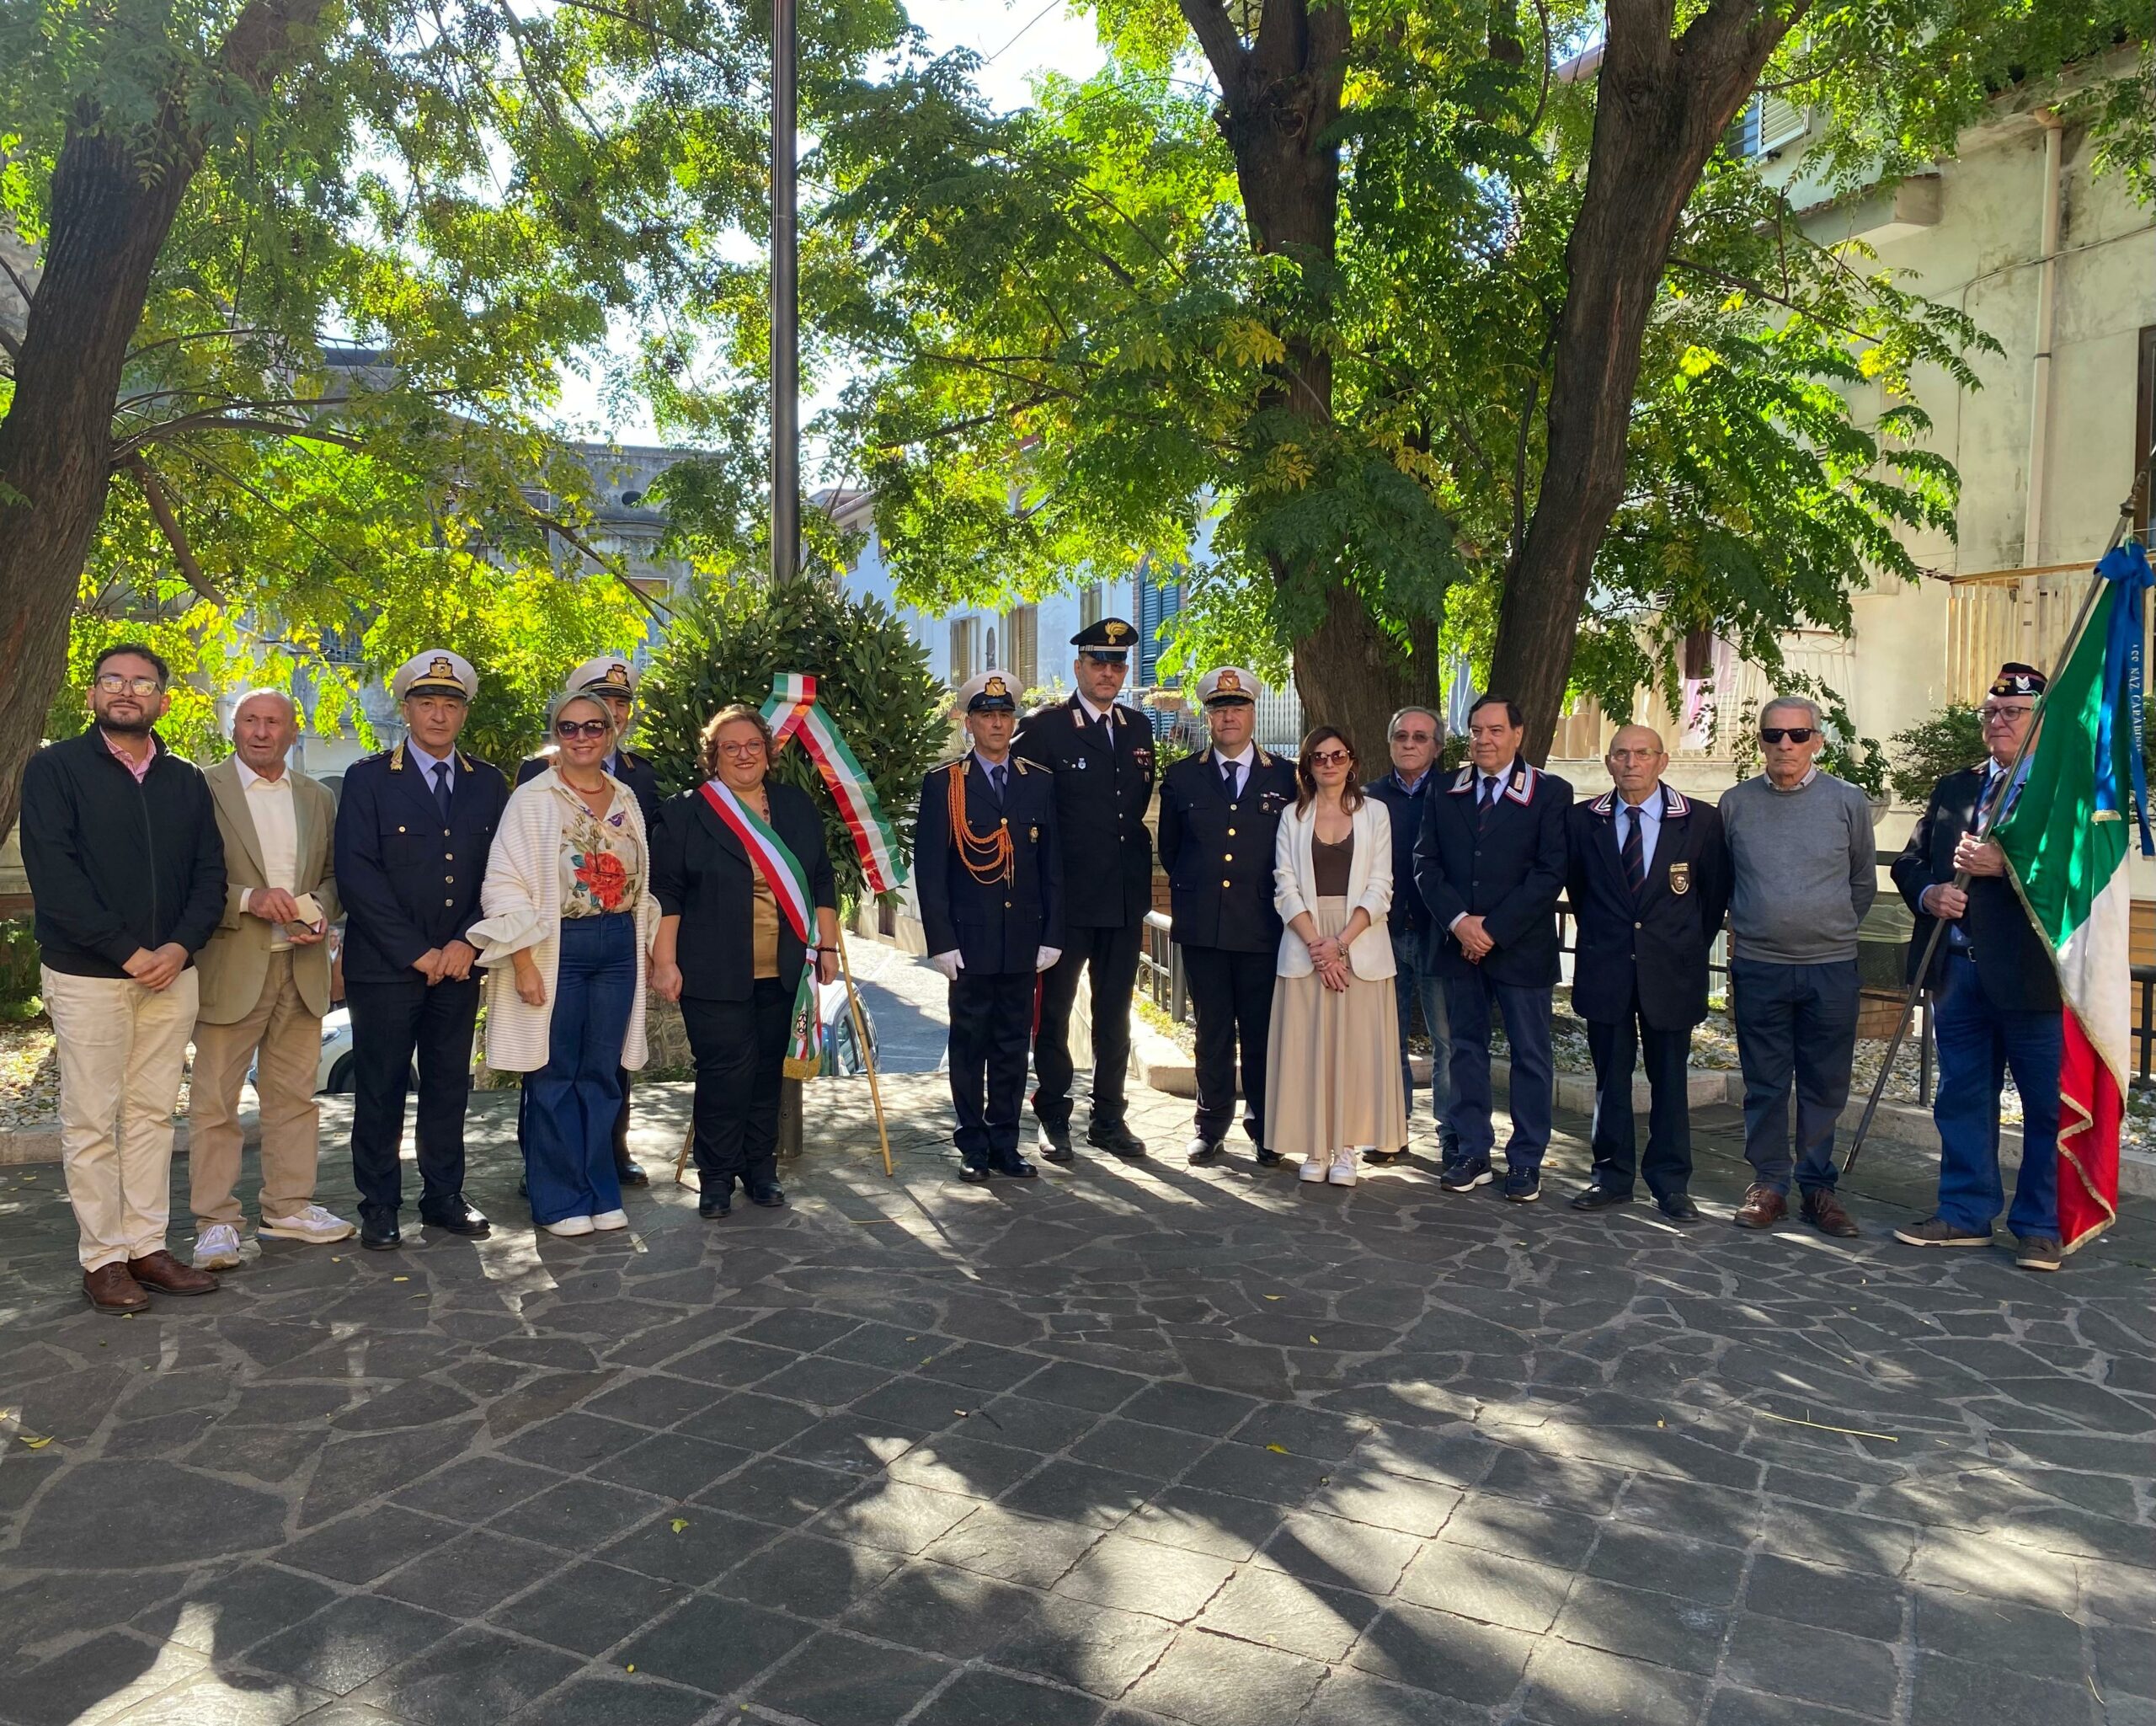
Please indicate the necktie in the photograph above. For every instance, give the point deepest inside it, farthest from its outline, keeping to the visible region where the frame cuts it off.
(1634, 853)
(995, 782)
(441, 788)
(1486, 802)
(1229, 772)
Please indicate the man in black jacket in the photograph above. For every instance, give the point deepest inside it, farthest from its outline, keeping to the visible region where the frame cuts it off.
(1415, 736)
(988, 875)
(1490, 865)
(413, 828)
(613, 679)
(1995, 1001)
(119, 841)
(1649, 883)
(1101, 752)
(1219, 811)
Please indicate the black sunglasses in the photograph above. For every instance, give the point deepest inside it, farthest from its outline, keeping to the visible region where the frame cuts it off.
(1795, 734)
(581, 727)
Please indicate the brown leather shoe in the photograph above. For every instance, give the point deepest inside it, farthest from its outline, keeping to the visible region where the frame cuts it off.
(161, 1271)
(1825, 1212)
(109, 1289)
(1763, 1207)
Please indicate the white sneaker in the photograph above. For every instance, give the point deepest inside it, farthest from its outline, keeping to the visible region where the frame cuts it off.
(610, 1220)
(217, 1247)
(1343, 1169)
(313, 1223)
(1314, 1168)
(570, 1226)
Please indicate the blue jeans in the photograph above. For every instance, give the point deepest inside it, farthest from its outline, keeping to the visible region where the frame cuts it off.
(571, 1103)
(1412, 980)
(1978, 1043)
(1795, 1025)
(1526, 1013)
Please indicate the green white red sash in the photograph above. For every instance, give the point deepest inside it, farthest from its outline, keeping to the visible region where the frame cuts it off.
(792, 712)
(788, 881)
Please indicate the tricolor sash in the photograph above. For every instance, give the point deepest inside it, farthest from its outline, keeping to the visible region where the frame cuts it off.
(789, 882)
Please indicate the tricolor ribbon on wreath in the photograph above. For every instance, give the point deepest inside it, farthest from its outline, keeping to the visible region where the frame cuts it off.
(788, 881)
(792, 712)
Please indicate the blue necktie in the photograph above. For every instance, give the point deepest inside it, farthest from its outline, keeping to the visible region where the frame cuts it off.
(1229, 772)
(441, 789)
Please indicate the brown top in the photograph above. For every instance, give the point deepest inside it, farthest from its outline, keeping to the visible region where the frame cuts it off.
(763, 928)
(1330, 864)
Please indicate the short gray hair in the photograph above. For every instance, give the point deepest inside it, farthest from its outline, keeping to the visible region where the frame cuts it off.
(1437, 724)
(291, 707)
(1810, 706)
(570, 697)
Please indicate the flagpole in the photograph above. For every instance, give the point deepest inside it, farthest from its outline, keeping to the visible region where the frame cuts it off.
(1993, 806)
(868, 1054)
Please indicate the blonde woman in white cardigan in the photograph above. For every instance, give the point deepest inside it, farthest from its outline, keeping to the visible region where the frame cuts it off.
(1332, 1083)
(568, 925)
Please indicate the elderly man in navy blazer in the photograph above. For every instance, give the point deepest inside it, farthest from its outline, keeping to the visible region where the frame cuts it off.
(1649, 884)
(1490, 864)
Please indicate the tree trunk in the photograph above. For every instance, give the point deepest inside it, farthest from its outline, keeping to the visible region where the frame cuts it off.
(1660, 107)
(114, 193)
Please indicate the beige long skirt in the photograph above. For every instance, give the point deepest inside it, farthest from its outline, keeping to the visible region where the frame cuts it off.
(1332, 1076)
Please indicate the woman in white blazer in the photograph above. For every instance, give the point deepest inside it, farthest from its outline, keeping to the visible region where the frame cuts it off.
(568, 926)
(1332, 1086)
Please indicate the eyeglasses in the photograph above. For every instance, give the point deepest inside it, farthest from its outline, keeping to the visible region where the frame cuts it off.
(1329, 757)
(741, 750)
(112, 683)
(1413, 737)
(582, 728)
(1988, 714)
(1794, 734)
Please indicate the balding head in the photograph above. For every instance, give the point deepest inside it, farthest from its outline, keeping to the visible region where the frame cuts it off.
(1636, 761)
(264, 723)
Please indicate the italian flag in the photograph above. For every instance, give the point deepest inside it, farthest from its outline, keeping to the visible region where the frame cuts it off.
(2066, 842)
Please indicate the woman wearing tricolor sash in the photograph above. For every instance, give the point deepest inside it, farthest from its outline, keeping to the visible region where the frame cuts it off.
(749, 928)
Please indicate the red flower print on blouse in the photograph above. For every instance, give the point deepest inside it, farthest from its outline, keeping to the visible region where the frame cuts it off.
(603, 876)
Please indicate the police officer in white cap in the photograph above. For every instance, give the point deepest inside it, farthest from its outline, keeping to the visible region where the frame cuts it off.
(1220, 809)
(413, 826)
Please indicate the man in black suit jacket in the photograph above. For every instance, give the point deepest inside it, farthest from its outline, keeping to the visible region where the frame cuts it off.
(1490, 864)
(413, 827)
(1101, 752)
(1220, 809)
(613, 680)
(1995, 1002)
(988, 873)
(1649, 883)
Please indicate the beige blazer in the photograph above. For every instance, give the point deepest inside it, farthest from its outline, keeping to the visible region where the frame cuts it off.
(238, 958)
(1370, 885)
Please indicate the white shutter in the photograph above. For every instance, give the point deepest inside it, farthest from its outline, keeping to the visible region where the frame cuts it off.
(1781, 122)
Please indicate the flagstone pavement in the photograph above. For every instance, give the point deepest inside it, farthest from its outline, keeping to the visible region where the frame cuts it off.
(1127, 1444)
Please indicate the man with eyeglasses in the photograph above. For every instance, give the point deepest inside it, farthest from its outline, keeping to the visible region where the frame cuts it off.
(1803, 872)
(1416, 735)
(1995, 999)
(119, 841)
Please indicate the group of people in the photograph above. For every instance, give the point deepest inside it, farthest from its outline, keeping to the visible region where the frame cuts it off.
(1316, 909)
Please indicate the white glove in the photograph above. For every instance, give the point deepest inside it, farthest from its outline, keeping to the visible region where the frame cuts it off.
(1046, 957)
(950, 964)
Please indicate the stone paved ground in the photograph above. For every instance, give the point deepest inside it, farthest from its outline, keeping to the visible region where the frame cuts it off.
(1127, 1444)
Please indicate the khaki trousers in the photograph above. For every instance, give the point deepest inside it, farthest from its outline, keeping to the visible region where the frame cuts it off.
(283, 1039)
(121, 1049)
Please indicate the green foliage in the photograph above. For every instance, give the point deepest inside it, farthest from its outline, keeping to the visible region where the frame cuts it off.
(20, 982)
(1930, 750)
(732, 640)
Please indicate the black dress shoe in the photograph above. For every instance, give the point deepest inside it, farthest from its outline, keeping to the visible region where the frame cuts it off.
(974, 1174)
(1055, 1143)
(1679, 1207)
(714, 1204)
(1598, 1197)
(458, 1218)
(770, 1198)
(379, 1234)
(630, 1173)
(1117, 1139)
(1268, 1159)
(1018, 1169)
(523, 1187)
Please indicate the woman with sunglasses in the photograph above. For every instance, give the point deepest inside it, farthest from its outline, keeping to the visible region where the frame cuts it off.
(747, 900)
(570, 920)
(1332, 1085)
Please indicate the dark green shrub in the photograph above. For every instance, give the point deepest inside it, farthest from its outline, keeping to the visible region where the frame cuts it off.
(1927, 752)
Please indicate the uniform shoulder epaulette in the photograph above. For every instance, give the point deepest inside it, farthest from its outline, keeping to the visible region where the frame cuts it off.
(1022, 765)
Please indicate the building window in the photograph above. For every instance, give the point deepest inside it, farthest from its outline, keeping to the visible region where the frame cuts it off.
(2144, 431)
(1022, 645)
(962, 649)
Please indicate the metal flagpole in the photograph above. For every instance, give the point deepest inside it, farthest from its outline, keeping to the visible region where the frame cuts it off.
(1988, 816)
(867, 1054)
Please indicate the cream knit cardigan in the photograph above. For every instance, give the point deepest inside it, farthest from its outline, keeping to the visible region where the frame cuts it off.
(522, 900)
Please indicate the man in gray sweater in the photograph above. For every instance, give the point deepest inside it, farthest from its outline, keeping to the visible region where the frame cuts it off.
(1803, 870)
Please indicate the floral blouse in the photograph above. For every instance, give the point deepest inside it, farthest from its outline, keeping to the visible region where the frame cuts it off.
(603, 866)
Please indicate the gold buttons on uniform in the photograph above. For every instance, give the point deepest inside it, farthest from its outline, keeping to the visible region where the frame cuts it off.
(400, 830)
(1230, 858)
(449, 880)
(448, 902)
(1231, 832)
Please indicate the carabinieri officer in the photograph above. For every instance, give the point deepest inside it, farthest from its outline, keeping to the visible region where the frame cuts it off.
(1101, 751)
(1220, 809)
(413, 826)
(989, 875)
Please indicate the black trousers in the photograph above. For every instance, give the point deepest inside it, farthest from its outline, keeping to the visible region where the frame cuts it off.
(739, 1050)
(1616, 1044)
(393, 1025)
(991, 1027)
(1232, 997)
(1110, 955)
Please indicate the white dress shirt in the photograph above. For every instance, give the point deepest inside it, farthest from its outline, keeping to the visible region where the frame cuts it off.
(276, 830)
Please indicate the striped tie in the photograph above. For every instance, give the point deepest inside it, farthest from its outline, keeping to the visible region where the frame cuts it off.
(1634, 853)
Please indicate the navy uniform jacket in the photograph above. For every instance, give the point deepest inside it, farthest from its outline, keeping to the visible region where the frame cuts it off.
(1657, 944)
(1101, 793)
(1410, 917)
(1219, 855)
(410, 883)
(632, 770)
(996, 926)
(2012, 963)
(1509, 874)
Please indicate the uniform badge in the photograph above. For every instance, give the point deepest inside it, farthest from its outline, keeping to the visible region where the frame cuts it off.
(1033, 834)
(1680, 879)
(1228, 683)
(995, 687)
